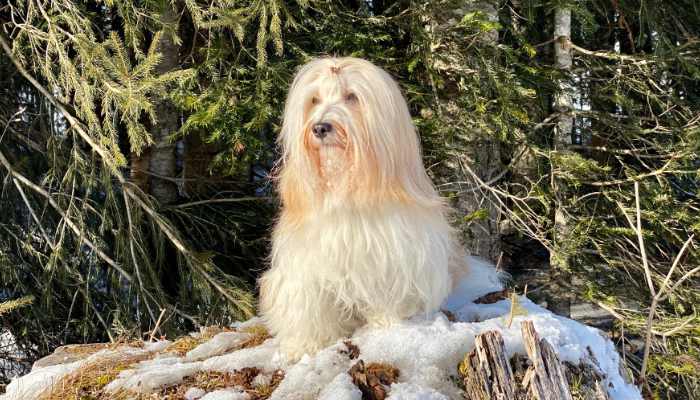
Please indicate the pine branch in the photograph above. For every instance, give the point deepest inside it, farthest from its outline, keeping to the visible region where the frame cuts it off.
(11, 305)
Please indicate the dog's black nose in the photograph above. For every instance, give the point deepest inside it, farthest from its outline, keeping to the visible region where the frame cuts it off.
(321, 130)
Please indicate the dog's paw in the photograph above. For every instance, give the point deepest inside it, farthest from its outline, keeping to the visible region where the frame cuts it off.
(294, 351)
(382, 321)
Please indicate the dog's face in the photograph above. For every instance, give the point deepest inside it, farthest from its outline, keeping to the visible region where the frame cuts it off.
(348, 135)
(333, 125)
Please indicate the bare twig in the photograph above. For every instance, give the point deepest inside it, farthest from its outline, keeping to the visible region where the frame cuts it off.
(212, 201)
(78, 232)
(672, 270)
(155, 328)
(36, 219)
(660, 295)
(640, 239)
(609, 56)
(133, 252)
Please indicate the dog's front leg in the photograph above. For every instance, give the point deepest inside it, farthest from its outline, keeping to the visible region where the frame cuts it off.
(302, 312)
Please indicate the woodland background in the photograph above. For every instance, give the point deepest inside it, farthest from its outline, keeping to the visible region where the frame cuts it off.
(137, 138)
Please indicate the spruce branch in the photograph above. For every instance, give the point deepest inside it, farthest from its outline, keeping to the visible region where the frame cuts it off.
(240, 300)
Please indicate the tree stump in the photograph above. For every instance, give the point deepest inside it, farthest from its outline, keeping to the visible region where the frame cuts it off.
(488, 374)
(545, 380)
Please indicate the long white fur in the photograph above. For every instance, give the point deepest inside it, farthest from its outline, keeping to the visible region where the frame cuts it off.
(362, 235)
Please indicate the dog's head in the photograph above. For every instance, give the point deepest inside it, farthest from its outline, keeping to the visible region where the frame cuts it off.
(347, 136)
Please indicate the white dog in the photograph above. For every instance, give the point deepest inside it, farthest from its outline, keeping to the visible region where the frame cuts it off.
(362, 236)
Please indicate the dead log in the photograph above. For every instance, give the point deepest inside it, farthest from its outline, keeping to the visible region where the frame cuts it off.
(487, 373)
(546, 379)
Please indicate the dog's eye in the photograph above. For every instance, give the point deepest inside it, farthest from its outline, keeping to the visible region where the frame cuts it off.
(315, 100)
(351, 98)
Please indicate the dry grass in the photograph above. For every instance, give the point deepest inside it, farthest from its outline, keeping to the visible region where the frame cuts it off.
(258, 333)
(89, 381)
(213, 380)
(211, 331)
(184, 344)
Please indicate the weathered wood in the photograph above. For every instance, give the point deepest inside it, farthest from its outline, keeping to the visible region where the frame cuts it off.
(487, 373)
(589, 377)
(546, 379)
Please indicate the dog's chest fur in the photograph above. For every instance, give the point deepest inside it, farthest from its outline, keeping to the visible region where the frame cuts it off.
(364, 256)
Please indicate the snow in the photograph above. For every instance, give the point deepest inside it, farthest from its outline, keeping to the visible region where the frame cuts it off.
(226, 394)
(411, 391)
(33, 384)
(30, 386)
(341, 388)
(219, 344)
(266, 356)
(426, 350)
(149, 375)
(156, 346)
(194, 393)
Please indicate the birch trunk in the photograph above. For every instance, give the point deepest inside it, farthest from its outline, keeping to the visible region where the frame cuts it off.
(561, 304)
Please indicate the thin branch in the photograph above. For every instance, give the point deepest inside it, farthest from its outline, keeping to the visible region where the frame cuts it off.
(210, 201)
(686, 276)
(677, 329)
(635, 179)
(133, 252)
(673, 268)
(97, 313)
(640, 239)
(78, 232)
(33, 213)
(609, 56)
(491, 181)
(155, 328)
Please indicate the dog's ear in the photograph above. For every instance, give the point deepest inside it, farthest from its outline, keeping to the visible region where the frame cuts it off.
(295, 192)
(392, 141)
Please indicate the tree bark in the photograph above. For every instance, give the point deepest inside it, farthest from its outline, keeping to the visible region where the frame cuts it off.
(488, 375)
(546, 379)
(563, 61)
(487, 371)
(162, 163)
(559, 302)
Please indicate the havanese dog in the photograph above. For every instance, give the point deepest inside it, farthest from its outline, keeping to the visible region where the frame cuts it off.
(362, 237)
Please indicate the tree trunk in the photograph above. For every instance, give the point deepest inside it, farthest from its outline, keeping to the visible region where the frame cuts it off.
(484, 158)
(563, 61)
(559, 302)
(162, 153)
